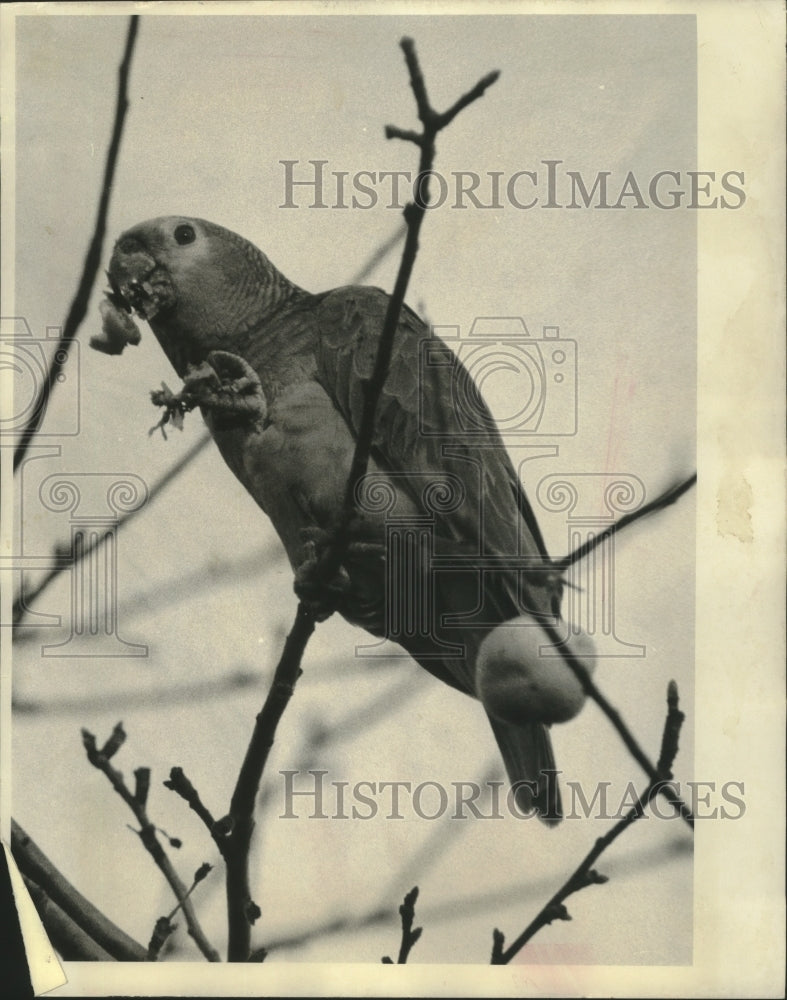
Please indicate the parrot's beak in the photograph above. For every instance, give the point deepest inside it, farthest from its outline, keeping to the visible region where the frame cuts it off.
(139, 283)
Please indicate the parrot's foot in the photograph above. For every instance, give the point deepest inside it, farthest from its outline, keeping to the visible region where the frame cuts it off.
(323, 597)
(224, 384)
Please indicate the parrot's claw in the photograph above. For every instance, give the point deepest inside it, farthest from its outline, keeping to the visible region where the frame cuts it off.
(224, 384)
(323, 598)
(320, 597)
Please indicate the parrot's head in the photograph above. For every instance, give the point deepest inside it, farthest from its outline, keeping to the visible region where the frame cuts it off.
(199, 286)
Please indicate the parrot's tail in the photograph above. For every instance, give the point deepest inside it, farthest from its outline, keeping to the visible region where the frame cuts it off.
(530, 764)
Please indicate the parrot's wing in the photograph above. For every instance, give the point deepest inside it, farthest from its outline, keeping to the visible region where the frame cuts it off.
(419, 434)
(418, 437)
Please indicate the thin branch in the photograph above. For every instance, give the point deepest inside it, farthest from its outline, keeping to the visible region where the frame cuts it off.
(180, 784)
(671, 736)
(93, 258)
(665, 499)
(630, 741)
(410, 935)
(71, 558)
(162, 932)
(585, 874)
(472, 95)
(414, 214)
(100, 759)
(37, 867)
(164, 927)
(242, 911)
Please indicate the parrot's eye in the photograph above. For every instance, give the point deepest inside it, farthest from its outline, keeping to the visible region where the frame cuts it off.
(185, 234)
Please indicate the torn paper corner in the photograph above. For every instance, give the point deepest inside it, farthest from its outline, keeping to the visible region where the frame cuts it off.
(46, 972)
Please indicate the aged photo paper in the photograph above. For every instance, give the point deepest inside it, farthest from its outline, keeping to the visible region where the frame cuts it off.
(570, 506)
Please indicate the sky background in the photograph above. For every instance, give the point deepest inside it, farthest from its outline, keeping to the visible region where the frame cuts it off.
(216, 103)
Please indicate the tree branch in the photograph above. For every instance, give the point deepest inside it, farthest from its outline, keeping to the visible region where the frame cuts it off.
(414, 214)
(585, 874)
(55, 889)
(449, 909)
(630, 741)
(410, 935)
(68, 938)
(137, 803)
(180, 784)
(93, 258)
(665, 499)
(164, 926)
(241, 909)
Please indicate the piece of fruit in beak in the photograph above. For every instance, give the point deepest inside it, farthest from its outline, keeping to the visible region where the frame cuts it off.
(117, 329)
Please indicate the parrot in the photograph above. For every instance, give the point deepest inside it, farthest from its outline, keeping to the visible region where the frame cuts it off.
(279, 375)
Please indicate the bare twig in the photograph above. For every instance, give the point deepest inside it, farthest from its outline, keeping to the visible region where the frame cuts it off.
(180, 784)
(585, 874)
(164, 926)
(137, 803)
(414, 213)
(410, 935)
(39, 870)
(241, 910)
(630, 741)
(162, 932)
(92, 263)
(671, 735)
(665, 499)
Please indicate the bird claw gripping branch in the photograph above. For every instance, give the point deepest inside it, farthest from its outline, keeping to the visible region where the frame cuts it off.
(323, 597)
(224, 385)
(320, 597)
